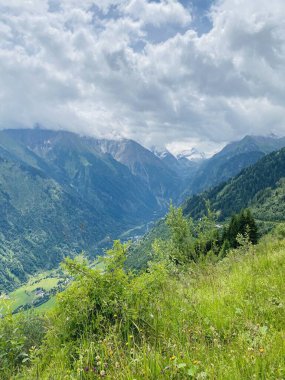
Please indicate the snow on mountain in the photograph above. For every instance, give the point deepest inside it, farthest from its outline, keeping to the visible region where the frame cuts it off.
(192, 154)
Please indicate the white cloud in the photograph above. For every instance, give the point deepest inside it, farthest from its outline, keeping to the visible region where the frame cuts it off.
(66, 64)
(158, 14)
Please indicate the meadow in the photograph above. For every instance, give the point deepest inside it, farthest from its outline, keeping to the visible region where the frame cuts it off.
(214, 319)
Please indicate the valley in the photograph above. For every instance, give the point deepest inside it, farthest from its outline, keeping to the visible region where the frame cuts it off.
(57, 207)
(39, 292)
(142, 190)
(67, 199)
(61, 193)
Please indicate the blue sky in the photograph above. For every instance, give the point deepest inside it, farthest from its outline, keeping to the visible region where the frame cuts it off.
(200, 10)
(171, 73)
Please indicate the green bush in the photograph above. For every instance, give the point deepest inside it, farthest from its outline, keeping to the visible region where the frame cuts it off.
(18, 335)
(279, 231)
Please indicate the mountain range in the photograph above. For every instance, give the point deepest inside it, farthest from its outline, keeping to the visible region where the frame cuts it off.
(232, 159)
(260, 187)
(61, 193)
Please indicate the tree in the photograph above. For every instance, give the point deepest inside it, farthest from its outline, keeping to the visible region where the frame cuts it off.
(190, 241)
(243, 224)
(252, 227)
(182, 236)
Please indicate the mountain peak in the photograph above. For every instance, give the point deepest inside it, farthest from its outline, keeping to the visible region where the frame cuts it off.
(192, 154)
(161, 152)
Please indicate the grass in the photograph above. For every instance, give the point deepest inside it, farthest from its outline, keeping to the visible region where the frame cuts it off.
(220, 321)
(26, 293)
(47, 306)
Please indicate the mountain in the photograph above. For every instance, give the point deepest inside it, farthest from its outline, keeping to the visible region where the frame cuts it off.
(192, 154)
(181, 165)
(199, 174)
(260, 187)
(161, 179)
(268, 204)
(232, 159)
(61, 193)
(97, 179)
(254, 187)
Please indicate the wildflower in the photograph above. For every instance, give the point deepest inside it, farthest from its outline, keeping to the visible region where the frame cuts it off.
(97, 357)
(117, 365)
(196, 362)
(86, 369)
(173, 357)
(103, 373)
(261, 350)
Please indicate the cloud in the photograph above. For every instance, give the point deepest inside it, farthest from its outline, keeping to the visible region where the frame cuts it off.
(158, 14)
(93, 67)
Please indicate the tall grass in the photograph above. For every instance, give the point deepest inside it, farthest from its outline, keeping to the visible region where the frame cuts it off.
(209, 320)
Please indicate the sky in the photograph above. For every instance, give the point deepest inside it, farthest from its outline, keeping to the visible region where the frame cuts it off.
(179, 74)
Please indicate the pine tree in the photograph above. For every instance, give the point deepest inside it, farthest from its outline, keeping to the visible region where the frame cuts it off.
(242, 223)
(250, 222)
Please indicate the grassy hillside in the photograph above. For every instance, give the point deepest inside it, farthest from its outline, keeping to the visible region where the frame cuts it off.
(209, 320)
(39, 291)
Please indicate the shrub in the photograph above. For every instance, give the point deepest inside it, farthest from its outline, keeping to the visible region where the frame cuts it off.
(18, 334)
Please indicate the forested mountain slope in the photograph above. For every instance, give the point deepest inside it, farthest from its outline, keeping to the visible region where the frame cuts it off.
(232, 159)
(261, 187)
(60, 195)
(242, 190)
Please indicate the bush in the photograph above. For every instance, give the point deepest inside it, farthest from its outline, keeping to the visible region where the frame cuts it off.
(18, 334)
(279, 231)
(99, 304)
